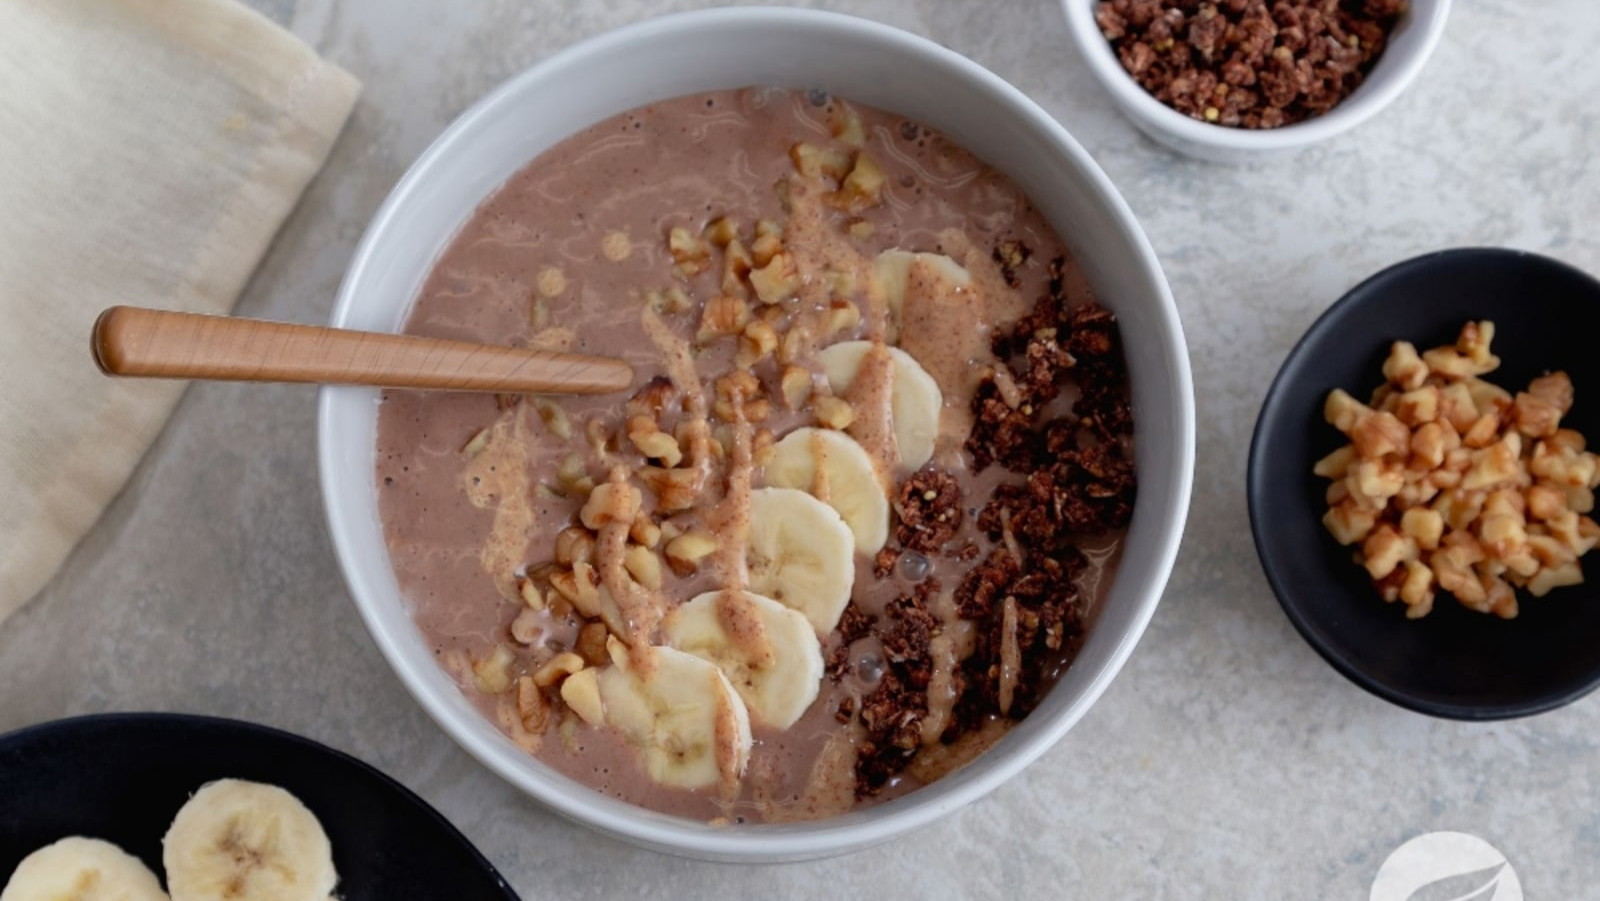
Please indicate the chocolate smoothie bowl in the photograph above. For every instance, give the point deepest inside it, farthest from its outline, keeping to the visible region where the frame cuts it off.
(849, 418)
(875, 523)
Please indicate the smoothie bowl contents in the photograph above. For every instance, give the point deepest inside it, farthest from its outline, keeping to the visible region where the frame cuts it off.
(1451, 483)
(1249, 63)
(853, 519)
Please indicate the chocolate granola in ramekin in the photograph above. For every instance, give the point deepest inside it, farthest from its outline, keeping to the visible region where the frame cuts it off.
(1249, 63)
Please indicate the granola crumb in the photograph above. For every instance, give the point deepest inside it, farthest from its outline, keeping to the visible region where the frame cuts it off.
(928, 510)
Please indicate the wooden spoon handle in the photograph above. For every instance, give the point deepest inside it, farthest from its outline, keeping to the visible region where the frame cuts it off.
(130, 341)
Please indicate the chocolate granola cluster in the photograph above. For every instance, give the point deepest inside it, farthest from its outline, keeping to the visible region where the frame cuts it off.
(1078, 482)
(893, 713)
(1074, 479)
(927, 511)
(1248, 63)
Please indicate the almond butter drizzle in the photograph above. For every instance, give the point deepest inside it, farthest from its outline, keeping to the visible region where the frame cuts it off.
(678, 361)
(737, 615)
(510, 719)
(1013, 546)
(938, 760)
(949, 328)
(817, 248)
(498, 475)
(730, 519)
(952, 643)
(640, 607)
(871, 394)
(725, 735)
(1010, 654)
(1006, 385)
(821, 489)
(941, 687)
(830, 789)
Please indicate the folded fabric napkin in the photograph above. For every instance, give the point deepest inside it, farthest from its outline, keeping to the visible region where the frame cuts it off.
(149, 149)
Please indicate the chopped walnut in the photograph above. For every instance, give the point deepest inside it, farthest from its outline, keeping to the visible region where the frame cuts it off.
(845, 125)
(691, 254)
(674, 489)
(764, 248)
(554, 416)
(795, 385)
(533, 708)
(574, 544)
(610, 502)
(492, 674)
(560, 666)
(1011, 255)
(843, 316)
(721, 231)
(654, 443)
(685, 552)
(724, 315)
(1452, 483)
(643, 565)
(591, 644)
(652, 399)
(777, 280)
(737, 264)
(644, 531)
(756, 343)
(862, 189)
(811, 160)
(833, 412)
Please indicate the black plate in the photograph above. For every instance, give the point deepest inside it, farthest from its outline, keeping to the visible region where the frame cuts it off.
(1453, 662)
(122, 777)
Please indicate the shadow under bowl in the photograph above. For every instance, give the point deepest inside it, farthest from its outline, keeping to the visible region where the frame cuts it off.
(1454, 662)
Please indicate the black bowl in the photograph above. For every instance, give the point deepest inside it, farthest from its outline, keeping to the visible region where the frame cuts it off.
(123, 776)
(1454, 662)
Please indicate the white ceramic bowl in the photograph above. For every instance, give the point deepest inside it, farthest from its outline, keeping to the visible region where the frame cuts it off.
(731, 48)
(1410, 45)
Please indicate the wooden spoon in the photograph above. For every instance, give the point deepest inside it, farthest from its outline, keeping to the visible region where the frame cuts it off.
(130, 341)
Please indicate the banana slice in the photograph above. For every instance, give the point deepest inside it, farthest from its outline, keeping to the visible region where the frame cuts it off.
(82, 869)
(914, 398)
(240, 841)
(769, 653)
(801, 554)
(891, 271)
(837, 470)
(689, 725)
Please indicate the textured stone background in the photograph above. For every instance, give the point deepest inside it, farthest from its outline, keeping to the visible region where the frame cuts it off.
(1226, 761)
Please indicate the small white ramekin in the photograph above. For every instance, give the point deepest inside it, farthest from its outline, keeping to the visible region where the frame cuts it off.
(731, 48)
(1411, 43)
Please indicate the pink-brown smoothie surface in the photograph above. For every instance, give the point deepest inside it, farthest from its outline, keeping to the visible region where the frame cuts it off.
(999, 548)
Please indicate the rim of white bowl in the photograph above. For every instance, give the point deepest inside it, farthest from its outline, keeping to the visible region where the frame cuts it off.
(858, 829)
(1366, 102)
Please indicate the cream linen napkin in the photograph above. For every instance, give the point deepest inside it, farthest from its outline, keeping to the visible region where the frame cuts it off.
(149, 149)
